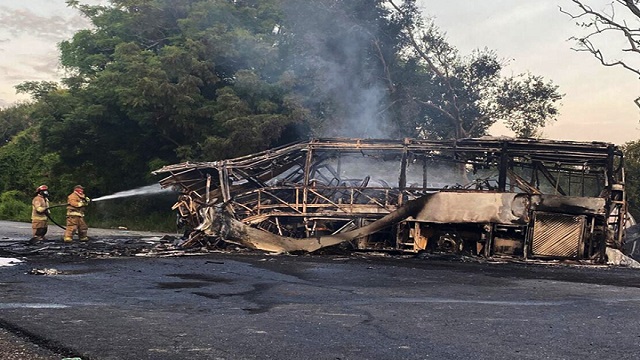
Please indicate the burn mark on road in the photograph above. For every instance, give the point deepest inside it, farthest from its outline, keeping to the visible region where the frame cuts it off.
(210, 295)
(192, 281)
(257, 295)
(180, 285)
(202, 277)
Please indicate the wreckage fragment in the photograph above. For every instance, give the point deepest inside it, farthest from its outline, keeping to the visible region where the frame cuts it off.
(225, 226)
(486, 196)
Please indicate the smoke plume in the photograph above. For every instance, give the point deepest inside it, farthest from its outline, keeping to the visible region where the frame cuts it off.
(335, 51)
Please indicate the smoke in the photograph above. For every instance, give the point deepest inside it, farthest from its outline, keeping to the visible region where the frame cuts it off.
(145, 190)
(351, 169)
(335, 50)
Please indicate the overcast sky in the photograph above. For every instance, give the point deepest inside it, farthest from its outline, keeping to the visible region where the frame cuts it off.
(532, 35)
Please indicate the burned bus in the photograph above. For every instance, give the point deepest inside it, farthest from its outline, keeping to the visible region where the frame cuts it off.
(489, 197)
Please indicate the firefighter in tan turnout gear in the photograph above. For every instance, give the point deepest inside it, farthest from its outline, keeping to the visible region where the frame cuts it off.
(39, 212)
(76, 203)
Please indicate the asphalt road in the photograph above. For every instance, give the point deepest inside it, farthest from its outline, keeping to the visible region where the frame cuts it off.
(255, 306)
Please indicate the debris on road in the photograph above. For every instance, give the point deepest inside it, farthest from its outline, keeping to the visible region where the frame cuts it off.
(616, 257)
(483, 197)
(97, 248)
(9, 261)
(44, 271)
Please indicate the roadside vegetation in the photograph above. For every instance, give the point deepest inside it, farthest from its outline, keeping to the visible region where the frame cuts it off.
(157, 82)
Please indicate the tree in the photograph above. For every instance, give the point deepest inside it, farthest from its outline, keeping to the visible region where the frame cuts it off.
(179, 73)
(617, 21)
(362, 72)
(23, 163)
(464, 96)
(159, 81)
(632, 174)
(37, 89)
(155, 82)
(160, 68)
(13, 120)
(56, 146)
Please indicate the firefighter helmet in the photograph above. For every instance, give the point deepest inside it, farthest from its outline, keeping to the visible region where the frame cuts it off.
(42, 188)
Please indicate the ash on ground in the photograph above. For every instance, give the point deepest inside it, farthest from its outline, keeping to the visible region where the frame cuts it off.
(100, 248)
(170, 246)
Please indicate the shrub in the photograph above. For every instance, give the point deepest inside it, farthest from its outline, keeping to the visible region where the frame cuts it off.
(14, 206)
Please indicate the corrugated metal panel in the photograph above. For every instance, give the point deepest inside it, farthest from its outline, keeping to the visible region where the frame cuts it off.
(557, 235)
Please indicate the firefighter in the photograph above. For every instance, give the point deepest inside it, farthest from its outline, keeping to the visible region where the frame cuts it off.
(39, 214)
(77, 201)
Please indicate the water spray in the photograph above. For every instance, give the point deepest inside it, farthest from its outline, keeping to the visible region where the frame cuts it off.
(145, 190)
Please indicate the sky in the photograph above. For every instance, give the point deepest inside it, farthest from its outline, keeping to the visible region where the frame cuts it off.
(533, 36)
(29, 33)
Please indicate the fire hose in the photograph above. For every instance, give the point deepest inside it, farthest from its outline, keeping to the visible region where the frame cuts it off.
(50, 218)
(56, 206)
(53, 221)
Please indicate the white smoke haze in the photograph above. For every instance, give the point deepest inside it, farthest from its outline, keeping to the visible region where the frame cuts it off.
(141, 191)
(354, 168)
(350, 85)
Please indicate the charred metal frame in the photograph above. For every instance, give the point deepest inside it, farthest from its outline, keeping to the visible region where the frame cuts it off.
(483, 196)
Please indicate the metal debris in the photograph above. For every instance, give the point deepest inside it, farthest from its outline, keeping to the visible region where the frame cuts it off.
(616, 257)
(483, 197)
(45, 271)
(100, 248)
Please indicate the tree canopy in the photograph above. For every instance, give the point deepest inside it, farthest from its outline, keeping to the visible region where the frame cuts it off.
(158, 81)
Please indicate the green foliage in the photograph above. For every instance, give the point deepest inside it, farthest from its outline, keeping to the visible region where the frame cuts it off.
(152, 213)
(154, 82)
(152, 73)
(13, 120)
(37, 89)
(23, 164)
(525, 103)
(463, 96)
(632, 176)
(15, 206)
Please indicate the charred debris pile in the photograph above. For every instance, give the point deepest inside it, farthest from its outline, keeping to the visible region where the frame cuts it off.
(102, 247)
(482, 197)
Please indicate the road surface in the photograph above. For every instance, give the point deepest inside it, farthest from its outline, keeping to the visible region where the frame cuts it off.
(365, 306)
